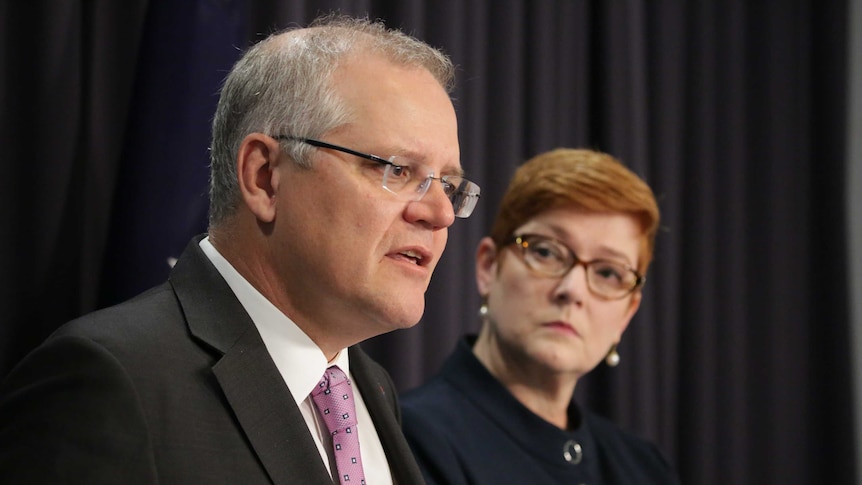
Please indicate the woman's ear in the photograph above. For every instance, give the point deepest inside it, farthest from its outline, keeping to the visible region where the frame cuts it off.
(486, 265)
(634, 304)
(258, 177)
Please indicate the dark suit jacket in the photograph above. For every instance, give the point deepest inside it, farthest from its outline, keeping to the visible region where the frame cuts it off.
(174, 386)
(466, 428)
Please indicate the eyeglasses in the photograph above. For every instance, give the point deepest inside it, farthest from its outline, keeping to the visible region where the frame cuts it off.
(410, 180)
(550, 257)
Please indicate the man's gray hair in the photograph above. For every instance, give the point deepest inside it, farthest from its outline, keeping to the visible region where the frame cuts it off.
(282, 86)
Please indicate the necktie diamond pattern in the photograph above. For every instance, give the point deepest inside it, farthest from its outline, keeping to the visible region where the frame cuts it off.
(333, 397)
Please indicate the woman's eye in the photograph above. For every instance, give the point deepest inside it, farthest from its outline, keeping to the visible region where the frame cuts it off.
(544, 252)
(609, 272)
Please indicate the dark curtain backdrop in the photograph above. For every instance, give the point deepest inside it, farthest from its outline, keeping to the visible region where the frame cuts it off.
(738, 363)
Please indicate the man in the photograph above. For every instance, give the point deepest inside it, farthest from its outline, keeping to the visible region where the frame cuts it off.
(314, 245)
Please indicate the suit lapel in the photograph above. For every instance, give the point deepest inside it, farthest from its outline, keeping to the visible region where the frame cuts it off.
(255, 390)
(268, 413)
(378, 392)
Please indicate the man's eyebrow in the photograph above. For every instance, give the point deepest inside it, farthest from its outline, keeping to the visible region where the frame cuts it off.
(456, 171)
(449, 170)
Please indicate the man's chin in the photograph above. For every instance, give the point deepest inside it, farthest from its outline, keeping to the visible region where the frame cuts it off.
(407, 317)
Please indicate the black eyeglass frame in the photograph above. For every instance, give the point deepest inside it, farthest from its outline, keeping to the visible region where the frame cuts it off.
(323, 144)
(374, 158)
(521, 241)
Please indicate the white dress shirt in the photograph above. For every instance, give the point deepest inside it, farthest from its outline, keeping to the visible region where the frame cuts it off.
(301, 364)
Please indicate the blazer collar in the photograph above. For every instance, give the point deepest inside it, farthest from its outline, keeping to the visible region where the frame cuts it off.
(378, 391)
(254, 389)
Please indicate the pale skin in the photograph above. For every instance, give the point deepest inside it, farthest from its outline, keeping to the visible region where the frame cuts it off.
(542, 334)
(336, 253)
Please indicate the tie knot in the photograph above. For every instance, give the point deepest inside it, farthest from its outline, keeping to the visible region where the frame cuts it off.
(332, 378)
(333, 397)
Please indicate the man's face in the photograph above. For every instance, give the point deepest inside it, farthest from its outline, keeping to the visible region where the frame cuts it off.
(353, 257)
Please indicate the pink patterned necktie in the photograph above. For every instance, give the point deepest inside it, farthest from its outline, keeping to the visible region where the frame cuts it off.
(333, 397)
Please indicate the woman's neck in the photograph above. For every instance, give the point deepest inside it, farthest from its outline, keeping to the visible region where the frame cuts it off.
(544, 392)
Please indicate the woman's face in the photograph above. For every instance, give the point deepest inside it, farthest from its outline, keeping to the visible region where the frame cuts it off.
(557, 323)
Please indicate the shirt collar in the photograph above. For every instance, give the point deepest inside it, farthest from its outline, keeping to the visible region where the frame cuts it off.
(299, 360)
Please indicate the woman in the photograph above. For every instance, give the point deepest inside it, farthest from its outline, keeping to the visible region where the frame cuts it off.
(560, 279)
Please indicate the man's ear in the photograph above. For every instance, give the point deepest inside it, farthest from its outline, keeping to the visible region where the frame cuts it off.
(258, 177)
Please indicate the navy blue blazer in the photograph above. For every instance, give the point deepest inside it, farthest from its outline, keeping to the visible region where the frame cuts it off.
(173, 386)
(465, 427)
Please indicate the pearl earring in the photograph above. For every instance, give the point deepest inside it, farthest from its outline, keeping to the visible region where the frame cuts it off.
(613, 358)
(483, 310)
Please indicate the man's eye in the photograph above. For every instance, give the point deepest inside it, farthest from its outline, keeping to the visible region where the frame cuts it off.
(400, 171)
